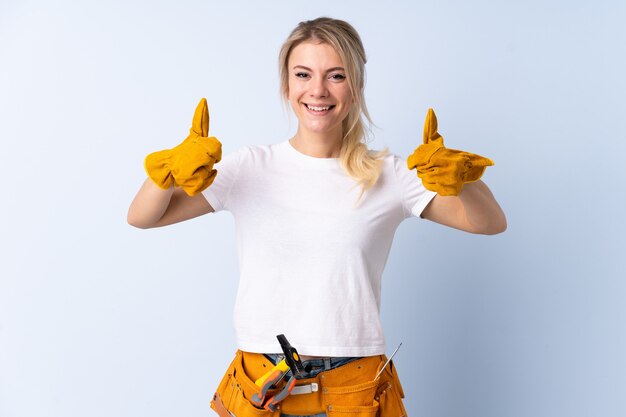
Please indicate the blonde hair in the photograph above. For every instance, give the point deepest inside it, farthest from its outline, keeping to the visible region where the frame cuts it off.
(359, 162)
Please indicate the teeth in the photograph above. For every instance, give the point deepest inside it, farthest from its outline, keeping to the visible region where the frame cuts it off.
(318, 108)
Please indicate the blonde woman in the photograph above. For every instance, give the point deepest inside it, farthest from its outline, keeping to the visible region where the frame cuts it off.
(315, 218)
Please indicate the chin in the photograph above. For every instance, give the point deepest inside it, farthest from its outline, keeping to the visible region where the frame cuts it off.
(319, 129)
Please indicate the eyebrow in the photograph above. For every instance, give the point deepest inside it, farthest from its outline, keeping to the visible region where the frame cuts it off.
(328, 70)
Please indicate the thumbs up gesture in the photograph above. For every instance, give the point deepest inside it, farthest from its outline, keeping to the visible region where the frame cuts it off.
(441, 169)
(190, 164)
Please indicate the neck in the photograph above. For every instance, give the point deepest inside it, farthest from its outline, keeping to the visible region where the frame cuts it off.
(318, 145)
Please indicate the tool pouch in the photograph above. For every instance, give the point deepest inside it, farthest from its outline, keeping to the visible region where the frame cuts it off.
(232, 398)
(389, 392)
(347, 391)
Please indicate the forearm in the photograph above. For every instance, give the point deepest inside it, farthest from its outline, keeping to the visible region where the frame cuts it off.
(149, 205)
(481, 210)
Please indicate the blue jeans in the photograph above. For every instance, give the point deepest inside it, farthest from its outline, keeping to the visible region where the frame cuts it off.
(314, 366)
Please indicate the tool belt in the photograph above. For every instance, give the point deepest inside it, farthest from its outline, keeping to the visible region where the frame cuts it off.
(346, 391)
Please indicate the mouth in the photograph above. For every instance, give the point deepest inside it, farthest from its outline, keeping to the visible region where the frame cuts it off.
(319, 110)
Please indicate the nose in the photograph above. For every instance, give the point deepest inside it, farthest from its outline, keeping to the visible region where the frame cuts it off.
(317, 87)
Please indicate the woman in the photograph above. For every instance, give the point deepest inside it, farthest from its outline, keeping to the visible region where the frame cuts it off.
(315, 218)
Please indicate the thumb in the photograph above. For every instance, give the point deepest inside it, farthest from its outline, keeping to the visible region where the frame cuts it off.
(430, 128)
(200, 123)
(478, 160)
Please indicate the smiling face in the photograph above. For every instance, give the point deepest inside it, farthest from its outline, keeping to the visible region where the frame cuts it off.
(319, 93)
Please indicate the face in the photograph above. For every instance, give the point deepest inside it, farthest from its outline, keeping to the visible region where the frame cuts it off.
(319, 93)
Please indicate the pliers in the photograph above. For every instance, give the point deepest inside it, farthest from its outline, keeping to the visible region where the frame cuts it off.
(290, 365)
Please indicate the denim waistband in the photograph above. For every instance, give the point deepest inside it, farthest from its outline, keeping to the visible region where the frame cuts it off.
(317, 365)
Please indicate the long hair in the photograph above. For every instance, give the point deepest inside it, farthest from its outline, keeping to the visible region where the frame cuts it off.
(359, 162)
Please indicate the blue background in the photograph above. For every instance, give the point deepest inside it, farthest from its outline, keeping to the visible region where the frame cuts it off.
(98, 318)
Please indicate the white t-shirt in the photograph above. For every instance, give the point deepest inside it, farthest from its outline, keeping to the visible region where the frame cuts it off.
(310, 258)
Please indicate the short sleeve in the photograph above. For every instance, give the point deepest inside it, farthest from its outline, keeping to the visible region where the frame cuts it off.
(415, 197)
(227, 171)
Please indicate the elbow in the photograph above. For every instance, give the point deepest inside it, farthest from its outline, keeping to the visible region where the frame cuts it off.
(136, 222)
(497, 227)
(493, 227)
(495, 231)
(138, 226)
(504, 226)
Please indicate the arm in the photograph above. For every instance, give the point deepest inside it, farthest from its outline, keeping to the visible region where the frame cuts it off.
(474, 210)
(155, 207)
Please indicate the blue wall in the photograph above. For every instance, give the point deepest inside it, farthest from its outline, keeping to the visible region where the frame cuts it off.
(99, 318)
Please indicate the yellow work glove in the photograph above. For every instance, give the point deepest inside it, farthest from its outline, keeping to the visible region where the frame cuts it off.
(190, 164)
(441, 169)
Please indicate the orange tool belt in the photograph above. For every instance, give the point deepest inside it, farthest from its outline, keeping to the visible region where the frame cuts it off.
(347, 391)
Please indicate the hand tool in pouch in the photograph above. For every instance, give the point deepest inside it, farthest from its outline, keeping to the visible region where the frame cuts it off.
(290, 365)
(388, 360)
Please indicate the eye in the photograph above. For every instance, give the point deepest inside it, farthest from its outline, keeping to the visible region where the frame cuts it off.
(338, 77)
(301, 75)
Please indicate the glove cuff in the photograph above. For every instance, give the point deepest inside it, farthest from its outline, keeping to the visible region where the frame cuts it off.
(157, 166)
